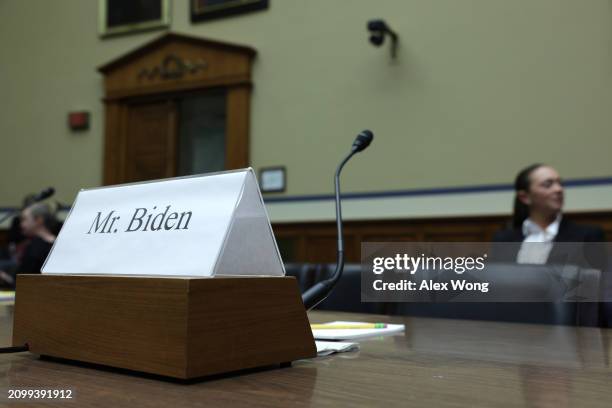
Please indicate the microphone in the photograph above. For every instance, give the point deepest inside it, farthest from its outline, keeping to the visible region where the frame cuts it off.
(43, 195)
(318, 292)
(362, 141)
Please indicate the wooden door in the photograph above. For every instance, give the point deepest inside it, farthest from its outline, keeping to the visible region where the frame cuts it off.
(141, 139)
(151, 141)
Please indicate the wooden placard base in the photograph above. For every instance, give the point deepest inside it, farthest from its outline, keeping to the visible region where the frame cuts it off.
(178, 327)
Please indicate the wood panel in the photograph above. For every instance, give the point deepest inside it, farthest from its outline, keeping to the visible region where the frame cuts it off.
(177, 62)
(316, 242)
(176, 327)
(114, 156)
(237, 126)
(151, 139)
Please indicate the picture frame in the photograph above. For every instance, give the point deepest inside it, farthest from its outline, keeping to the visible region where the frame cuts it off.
(273, 179)
(118, 17)
(202, 10)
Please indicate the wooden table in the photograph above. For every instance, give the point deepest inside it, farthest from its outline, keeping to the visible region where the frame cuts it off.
(437, 363)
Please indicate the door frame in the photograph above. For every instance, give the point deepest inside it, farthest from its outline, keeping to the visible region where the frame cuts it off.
(225, 65)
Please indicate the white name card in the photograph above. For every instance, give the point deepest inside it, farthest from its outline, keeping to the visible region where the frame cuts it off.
(205, 225)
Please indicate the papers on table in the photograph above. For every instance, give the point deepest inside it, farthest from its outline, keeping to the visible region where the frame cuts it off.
(325, 348)
(7, 297)
(352, 334)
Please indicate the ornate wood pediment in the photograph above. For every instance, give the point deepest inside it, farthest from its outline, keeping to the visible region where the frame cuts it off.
(174, 62)
(144, 90)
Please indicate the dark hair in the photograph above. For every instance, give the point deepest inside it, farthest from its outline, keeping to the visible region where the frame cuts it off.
(522, 182)
(45, 211)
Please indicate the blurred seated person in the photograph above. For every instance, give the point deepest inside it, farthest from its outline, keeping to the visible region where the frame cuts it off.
(17, 242)
(538, 218)
(38, 223)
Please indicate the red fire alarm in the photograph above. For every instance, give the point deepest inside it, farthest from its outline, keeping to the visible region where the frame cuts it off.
(78, 120)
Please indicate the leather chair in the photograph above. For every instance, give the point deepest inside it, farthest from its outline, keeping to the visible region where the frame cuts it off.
(303, 272)
(346, 296)
(529, 283)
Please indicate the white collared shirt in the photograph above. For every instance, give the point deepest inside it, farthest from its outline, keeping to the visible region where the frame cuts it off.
(538, 253)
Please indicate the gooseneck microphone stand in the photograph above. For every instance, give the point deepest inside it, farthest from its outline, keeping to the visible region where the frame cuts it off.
(318, 292)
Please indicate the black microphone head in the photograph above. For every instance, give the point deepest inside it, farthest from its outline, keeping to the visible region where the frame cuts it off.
(377, 25)
(46, 193)
(362, 140)
(377, 39)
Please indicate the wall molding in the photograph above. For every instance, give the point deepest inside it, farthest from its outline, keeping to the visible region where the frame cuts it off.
(582, 195)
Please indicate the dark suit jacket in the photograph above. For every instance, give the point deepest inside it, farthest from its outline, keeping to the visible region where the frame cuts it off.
(574, 244)
(587, 248)
(34, 256)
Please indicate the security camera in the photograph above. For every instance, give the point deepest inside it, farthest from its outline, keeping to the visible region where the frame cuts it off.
(378, 31)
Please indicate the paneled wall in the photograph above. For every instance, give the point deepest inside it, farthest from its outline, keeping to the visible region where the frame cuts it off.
(316, 242)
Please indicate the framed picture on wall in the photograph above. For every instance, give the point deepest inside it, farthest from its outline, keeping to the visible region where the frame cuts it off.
(128, 16)
(273, 179)
(202, 10)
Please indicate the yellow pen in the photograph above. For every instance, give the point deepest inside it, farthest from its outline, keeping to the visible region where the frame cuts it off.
(348, 326)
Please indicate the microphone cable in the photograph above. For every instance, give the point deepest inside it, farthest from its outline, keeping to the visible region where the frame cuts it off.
(14, 349)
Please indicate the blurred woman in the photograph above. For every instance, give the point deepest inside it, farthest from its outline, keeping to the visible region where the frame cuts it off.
(538, 218)
(39, 224)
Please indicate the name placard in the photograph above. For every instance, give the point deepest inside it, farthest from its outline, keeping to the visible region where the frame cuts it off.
(206, 225)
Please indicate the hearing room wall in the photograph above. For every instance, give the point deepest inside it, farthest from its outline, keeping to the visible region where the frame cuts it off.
(479, 89)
